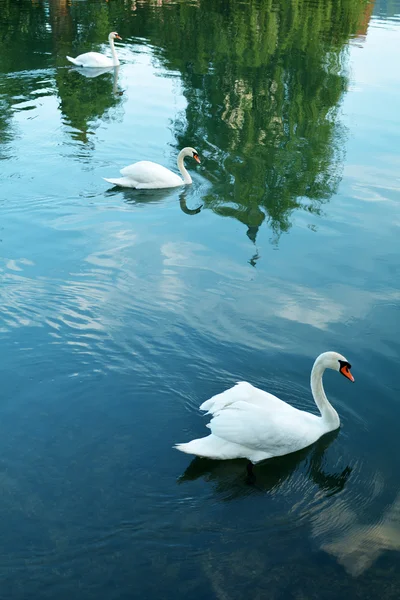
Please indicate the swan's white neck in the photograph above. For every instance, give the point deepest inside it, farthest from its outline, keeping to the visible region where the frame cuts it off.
(181, 167)
(114, 53)
(330, 418)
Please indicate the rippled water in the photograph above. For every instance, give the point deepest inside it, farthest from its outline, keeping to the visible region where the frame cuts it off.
(122, 311)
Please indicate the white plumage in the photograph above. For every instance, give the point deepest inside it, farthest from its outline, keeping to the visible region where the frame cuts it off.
(250, 423)
(95, 59)
(147, 175)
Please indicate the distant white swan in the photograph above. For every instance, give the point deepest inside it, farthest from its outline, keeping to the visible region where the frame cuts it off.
(250, 423)
(95, 59)
(147, 175)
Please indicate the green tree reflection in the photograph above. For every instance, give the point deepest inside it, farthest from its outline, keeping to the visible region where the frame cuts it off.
(264, 83)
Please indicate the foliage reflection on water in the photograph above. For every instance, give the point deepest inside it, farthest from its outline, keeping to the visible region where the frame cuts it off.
(263, 84)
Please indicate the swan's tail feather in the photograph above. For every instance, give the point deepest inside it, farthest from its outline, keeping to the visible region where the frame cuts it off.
(212, 447)
(121, 181)
(72, 60)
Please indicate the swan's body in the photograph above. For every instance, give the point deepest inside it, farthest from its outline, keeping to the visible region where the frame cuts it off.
(97, 60)
(250, 423)
(147, 175)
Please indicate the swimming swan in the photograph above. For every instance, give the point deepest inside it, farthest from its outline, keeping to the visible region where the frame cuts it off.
(250, 423)
(147, 175)
(95, 59)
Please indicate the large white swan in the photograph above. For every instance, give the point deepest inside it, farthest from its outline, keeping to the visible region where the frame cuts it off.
(95, 59)
(147, 175)
(250, 423)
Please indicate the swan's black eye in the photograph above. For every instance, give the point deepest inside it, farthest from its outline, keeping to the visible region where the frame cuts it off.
(344, 363)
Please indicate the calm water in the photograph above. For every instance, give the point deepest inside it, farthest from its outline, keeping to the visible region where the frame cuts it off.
(122, 311)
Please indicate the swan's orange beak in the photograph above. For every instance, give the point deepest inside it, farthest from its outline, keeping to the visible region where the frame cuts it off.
(346, 372)
(118, 37)
(196, 158)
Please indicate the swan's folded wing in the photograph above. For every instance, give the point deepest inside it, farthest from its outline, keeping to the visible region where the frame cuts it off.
(142, 171)
(243, 392)
(93, 59)
(253, 427)
(147, 172)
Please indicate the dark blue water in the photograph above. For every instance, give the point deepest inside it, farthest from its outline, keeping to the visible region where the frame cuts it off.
(122, 311)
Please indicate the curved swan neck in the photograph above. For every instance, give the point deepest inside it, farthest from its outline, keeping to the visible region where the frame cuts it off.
(181, 167)
(113, 52)
(328, 413)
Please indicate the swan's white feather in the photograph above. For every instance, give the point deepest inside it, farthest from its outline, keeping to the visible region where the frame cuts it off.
(149, 175)
(250, 423)
(246, 392)
(91, 60)
(121, 181)
(217, 448)
(264, 429)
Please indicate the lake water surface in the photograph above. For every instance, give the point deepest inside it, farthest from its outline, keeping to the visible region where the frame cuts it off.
(122, 311)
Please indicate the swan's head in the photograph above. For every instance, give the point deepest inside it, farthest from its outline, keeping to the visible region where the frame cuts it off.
(191, 152)
(114, 36)
(337, 362)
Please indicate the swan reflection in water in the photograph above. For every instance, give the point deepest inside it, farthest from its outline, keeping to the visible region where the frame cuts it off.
(92, 72)
(336, 526)
(268, 475)
(134, 197)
